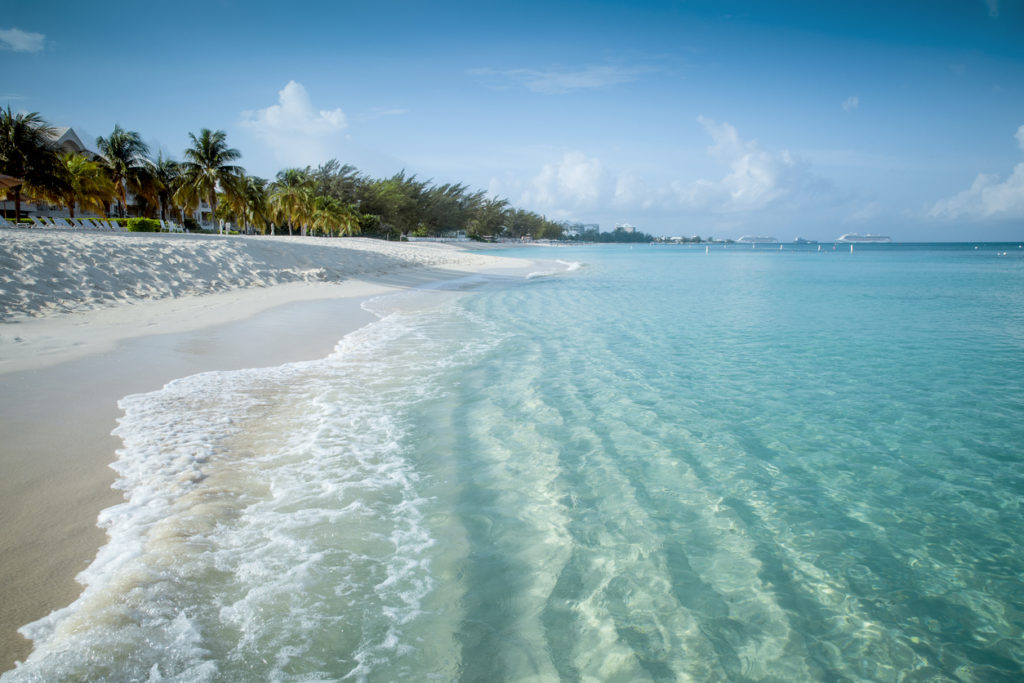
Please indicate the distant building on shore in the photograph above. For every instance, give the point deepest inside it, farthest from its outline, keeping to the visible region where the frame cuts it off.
(574, 230)
(625, 227)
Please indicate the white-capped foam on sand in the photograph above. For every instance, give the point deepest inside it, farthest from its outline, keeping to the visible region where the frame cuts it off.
(272, 524)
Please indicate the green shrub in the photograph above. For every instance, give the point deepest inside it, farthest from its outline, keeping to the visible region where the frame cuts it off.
(191, 224)
(143, 225)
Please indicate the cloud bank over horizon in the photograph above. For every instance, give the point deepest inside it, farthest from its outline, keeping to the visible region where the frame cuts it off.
(755, 179)
(988, 197)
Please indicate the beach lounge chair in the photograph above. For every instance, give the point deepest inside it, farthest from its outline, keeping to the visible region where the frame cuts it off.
(61, 223)
(4, 223)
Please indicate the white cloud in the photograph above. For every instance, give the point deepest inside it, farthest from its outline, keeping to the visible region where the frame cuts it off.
(756, 177)
(851, 103)
(993, 7)
(295, 131)
(988, 197)
(557, 81)
(574, 181)
(21, 41)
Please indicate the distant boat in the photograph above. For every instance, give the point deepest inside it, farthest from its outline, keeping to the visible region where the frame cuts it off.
(751, 239)
(801, 240)
(854, 238)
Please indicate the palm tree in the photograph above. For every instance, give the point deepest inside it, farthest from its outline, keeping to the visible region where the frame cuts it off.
(348, 223)
(249, 203)
(208, 165)
(291, 197)
(166, 173)
(27, 153)
(255, 209)
(124, 157)
(87, 185)
(332, 216)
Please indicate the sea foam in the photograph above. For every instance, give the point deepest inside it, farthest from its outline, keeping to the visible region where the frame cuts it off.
(272, 524)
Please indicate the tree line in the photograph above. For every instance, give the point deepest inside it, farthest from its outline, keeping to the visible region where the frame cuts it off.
(331, 199)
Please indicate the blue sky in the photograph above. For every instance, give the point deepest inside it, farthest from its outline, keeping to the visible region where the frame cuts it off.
(711, 118)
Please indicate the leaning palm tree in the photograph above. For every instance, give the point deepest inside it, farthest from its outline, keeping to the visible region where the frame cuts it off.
(348, 221)
(87, 185)
(250, 203)
(324, 217)
(124, 157)
(166, 173)
(208, 166)
(291, 198)
(28, 154)
(332, 216)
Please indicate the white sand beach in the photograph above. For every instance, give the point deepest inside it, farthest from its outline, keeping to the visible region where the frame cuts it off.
(86, 319)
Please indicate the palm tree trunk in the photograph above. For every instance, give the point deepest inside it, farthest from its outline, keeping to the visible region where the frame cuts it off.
(17, 204)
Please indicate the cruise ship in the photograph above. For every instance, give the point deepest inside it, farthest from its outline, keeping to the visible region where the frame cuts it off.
(852, 238)
(751, 239)
(801, 240)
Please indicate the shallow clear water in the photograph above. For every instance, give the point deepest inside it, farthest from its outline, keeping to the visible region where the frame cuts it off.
(665, 465)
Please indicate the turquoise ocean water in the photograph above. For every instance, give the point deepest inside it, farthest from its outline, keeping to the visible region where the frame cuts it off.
(655, 464)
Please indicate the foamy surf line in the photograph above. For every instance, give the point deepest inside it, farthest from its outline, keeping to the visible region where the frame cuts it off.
(565, 267)
(269, 515)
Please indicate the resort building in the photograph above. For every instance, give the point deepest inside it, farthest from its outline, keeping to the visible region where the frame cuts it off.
(67, 140)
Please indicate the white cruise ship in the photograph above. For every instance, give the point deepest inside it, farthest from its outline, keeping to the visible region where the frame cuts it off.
(854, 238)
(751, 239)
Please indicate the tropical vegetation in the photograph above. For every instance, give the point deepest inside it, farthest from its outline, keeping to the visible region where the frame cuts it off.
(123, 155)
(332, 199)
(27, 154)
